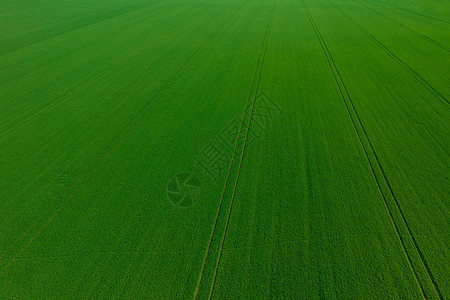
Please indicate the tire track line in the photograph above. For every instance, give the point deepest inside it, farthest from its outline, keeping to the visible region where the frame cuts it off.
(344, 95)
(269, 28)
(255, 82)
(416, 76)
(130, 126)
(364, 136)
(405, 27)
(226, 182)
(412, 12)
(225, 186)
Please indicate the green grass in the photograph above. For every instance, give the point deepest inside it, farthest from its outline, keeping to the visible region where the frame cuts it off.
(343, 195)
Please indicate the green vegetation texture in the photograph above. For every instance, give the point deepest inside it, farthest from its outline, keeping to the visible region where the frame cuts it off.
(343, 195)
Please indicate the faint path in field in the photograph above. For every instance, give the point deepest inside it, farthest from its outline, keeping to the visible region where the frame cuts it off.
(83, 84)
(79, 49)
(253, 92)
(364, 4)
(378, 172)
(79, 86)
(112, 146)
(136, 7)
(282, 244)
(140, 251)
(415, 75)
(412, 12)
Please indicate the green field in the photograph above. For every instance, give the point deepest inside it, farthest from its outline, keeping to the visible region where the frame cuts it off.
(239, 149)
